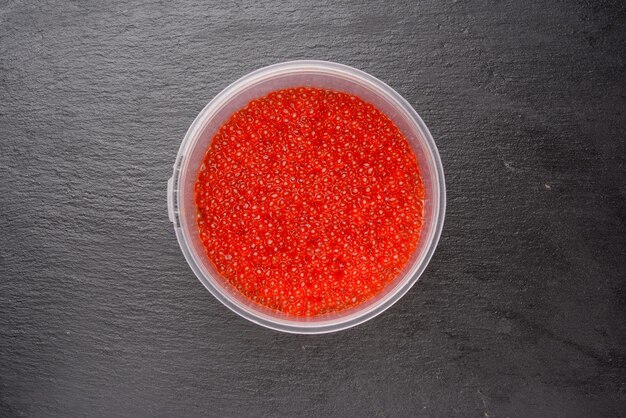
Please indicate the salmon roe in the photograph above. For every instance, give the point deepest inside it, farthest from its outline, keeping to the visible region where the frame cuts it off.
(309, 201)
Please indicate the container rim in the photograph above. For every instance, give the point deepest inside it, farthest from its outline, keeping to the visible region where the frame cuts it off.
(331, 69)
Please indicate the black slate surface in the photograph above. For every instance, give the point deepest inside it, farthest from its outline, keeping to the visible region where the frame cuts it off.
(521, 312)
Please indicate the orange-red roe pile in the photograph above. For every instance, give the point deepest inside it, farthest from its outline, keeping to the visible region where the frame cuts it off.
(309, 201)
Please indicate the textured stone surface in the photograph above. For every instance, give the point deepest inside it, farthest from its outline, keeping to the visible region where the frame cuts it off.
(521, 312)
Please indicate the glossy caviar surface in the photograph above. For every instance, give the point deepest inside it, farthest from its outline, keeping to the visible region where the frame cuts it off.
(309, 201)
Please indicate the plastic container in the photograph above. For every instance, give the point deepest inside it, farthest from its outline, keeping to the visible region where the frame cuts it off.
(321, 74)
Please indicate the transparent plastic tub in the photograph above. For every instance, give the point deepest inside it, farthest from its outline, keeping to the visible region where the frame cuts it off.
(321, 74)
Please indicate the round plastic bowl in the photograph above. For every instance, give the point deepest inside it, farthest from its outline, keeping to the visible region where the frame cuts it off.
(321, 74)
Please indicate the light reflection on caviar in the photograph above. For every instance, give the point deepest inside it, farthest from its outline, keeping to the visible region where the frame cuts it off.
(309, 201)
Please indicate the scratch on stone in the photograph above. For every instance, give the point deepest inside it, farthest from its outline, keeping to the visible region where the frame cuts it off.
(509, 166)
(486, 412)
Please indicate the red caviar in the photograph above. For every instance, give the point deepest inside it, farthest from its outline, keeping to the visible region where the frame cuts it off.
(309, 201)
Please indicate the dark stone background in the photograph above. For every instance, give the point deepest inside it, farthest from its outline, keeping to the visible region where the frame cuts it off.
(521, 312)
